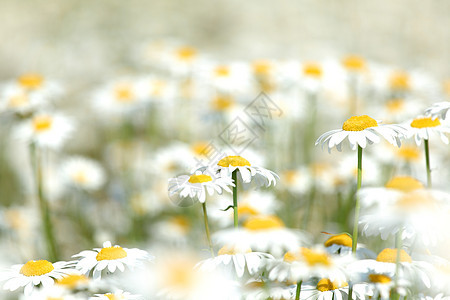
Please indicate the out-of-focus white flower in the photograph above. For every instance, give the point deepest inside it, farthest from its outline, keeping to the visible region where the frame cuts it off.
(258, 290)
(422, 128)
(16, 99)
(119, 295)
(326, 289)
(438, 110)
(110, 258)
(341, 244)
(83, 173)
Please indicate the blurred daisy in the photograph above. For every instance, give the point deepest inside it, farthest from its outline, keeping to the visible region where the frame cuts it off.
(422, 128)
(438, 110)
(34, 273)
(117, 295)
(47, 130)
(341, 244)
(197, 185)
(259, 290)
(305, 263)
(38, 85)
(239, 261)
(83, 173)
(360, 131)
(382, 285)
(354, 63)
(75, 280)
(110, 258)
(18, 100)
(258, 176)
(326, 289)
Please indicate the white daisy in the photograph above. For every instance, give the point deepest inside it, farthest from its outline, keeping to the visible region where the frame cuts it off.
(47, 130)
(15, 99)
(259, 290)
(422, 128)
(196, 185)
(240, 261)
(341, 244)
(34, 273)
(306, 263)
(110, 258)
(325, 289)
(360, 131)
(438, 110)
(38, 85)
(83, 173)
(258, 176)
(117, 295)
(381, 285)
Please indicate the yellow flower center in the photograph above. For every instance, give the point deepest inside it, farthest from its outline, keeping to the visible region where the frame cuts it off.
(395, 105)
(354, 63)
(222, 71)
(359, 123)
(124, 93)
(313, 258)
(415, 201)
(199, 178)
(404, 184)
(18, 100)
(111, 253)
(231, 250)
(222, 103)
(390, 256)
(399, 81)
(326, 284)
(246, 209)
(80, 177)
(31, 81)
(234, 161)
(409, 153)
(112, 297)
(339, 239)
(425, 122)
(200, 148)
(42, 123)
(262, 67)
(312, 70)
(72, 281)
(186, 53)
(263, 223)
(36, 268)
(181, 223)
(379, 278)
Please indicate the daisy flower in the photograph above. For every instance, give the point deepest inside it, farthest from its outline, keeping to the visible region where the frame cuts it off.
(38, 84)
(438, 110)
(110, 258)
(18, 100)
(198, 184)
(75, 280)
(47, 130)
(325, 289)
(117, 295)
(341, 244)
(381, 285)
(259, 290)
(423, 127)
(83, 173)
(237, 260)
(34, 273)
(360, 131)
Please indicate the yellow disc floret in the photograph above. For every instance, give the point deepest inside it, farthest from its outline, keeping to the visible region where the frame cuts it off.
(404, 184)
(425, 122)
(399, 81)
(326, 284)
(359, 123)
(73, 280)
(390, 256)
(31, 81)
(379, 278)
(409, 153)
(42, 123)
(222, 103)
(339, 239)
(36, 268)
(354, 63)
(232, 250)
(222, 71)
(111, 253)
(124, 93)
(262, 67)
(111, 296)
(314, 258)
(263, 223)
(186, 53)
(200, 178)
(234, 161)
(312, 70)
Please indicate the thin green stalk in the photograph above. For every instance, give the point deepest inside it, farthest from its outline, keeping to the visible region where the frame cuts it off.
(358, 186)
(235, 204)
(350, 291)
(208, 235)
(44, 207)
(427, 161)
(299, 288)
(398, 245)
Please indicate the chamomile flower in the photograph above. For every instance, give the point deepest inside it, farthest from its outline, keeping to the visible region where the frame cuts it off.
(117, 295)
(258, 176)
(325, 289)
(360, 131)
(75, 280)
(197, 185)
(109, 257)
(34, 273)
(83, 173)
(47, 130)
(239, 261)
(341, 244)
(438, 110)
(381, 285)
(306, 263)
(18, 100)
(423, 127)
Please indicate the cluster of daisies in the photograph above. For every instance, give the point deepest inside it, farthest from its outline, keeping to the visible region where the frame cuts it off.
(84, 166)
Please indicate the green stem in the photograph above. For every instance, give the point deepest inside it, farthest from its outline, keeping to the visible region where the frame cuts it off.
(350, 291)
(427, 161)
(398, 245)
(44, 207)
(358, 186)
(299, 288)
(208, 235)
(235, 204)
